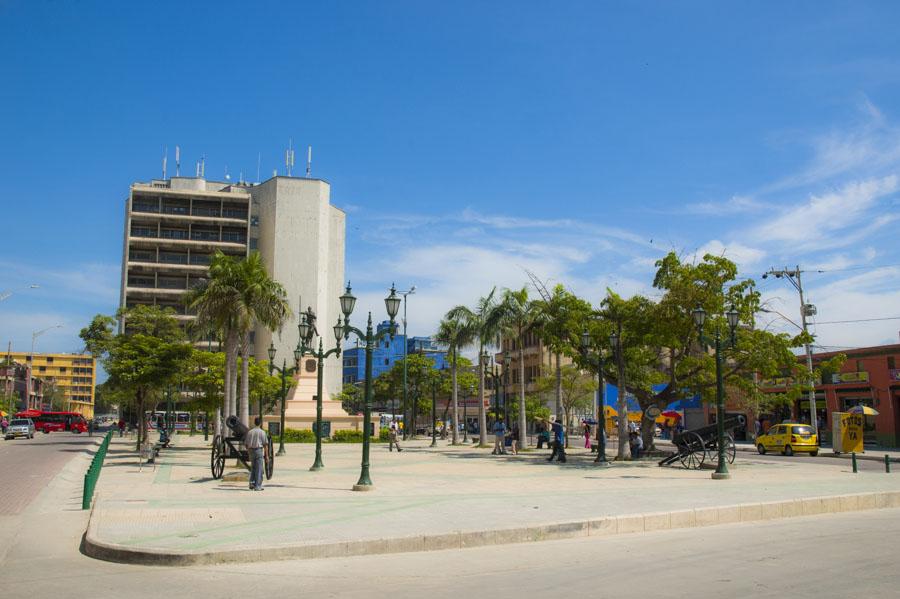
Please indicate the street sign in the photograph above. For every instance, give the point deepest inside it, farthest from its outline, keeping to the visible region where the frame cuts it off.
(848, 432)
(653, 412)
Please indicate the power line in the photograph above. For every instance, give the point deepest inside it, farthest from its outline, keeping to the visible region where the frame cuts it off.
(870, 267)
(858, 320)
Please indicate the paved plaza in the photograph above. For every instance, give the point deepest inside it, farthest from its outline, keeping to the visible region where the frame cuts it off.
(433, 498)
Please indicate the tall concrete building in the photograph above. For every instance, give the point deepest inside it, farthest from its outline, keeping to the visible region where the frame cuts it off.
(173, 226)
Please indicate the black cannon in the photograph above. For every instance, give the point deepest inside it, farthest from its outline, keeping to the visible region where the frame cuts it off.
(232, 446)
(699, 445)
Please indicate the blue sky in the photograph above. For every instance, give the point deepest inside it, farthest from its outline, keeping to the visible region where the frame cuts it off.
(469, 141)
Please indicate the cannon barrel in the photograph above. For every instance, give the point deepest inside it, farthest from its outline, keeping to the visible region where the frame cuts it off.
(236, 426)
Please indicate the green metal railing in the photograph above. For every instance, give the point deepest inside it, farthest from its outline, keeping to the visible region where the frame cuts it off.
(93, 473)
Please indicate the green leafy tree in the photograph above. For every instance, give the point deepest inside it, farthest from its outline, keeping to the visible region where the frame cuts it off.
(561, 318)
(577, 391)
(98, 335)
(351, 398)
(149, 356)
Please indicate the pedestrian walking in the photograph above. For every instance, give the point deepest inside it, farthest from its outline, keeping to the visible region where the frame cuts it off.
(514, 439)
(587, 434)
(559, 442)
(543, 435)
(499, 438)
(90, 427)
(4, 424)
(121, 426)
(393, 437)
(257, 443)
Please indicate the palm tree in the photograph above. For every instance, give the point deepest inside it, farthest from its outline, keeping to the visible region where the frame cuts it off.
(237, 295)
(561, 316)
(455, 333)
(261, 300)
(520, 316)
(485, 320)
(215, 300)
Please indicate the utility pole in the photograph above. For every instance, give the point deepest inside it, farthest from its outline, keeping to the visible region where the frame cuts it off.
(793, 276)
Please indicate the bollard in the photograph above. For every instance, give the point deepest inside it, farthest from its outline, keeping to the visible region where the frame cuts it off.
(887, 463)
(853, 459)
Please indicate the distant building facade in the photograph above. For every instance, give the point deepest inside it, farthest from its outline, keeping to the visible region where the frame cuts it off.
(73, 374)
(26, 390)
(174, 226)
(388, 352)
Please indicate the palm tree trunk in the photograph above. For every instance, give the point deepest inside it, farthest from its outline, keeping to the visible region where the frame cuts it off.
(482, 417)
(455, 405)
(231, 355)
(558, 385)
(244, 409)
(523, 434)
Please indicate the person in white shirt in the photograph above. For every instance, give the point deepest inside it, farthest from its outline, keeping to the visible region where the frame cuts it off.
(257, 443)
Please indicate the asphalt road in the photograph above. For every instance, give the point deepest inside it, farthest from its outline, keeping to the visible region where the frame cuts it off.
(819, 557)
(29, 464)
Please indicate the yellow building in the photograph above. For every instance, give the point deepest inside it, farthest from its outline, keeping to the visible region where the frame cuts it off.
(74, 374)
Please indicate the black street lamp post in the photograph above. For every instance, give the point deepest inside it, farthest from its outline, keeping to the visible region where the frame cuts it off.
(601, 412)
(490, 371)
(507, 359)
(434, 382)
(285, 372)
(392, 304)
(732, 317)
(306, 337)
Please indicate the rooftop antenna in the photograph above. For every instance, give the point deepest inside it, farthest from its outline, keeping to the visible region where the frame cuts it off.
(203, 165)
(258, 160)
(165, 160)
(289, 157)
(308, 160)
(177, 161)
(198, 169)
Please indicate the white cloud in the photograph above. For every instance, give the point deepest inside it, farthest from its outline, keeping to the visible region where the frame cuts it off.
(738, 253)
(731, 207)
(818, 222)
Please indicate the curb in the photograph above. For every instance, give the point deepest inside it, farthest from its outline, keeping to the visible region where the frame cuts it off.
(595, 527)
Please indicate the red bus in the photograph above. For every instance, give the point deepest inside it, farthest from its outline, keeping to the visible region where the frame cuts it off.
(55, 421)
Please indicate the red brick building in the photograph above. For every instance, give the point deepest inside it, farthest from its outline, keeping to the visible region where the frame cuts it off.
(870, 376)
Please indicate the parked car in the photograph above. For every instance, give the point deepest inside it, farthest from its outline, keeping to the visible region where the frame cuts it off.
(788, 438)
(20, 427)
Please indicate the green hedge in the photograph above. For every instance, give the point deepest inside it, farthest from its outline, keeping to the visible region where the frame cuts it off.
(292, 435)
(347, 436)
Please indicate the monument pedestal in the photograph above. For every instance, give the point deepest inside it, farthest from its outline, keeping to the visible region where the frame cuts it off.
(300, 408)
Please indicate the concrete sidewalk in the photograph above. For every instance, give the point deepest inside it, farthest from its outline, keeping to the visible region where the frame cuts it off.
(434, 499)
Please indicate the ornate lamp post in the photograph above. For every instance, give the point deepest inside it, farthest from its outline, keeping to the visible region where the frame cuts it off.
(392, 304)
(732, 316)
(306, 338)
(285, 372)
(507, 359)
(601, 417)
(490, 371)
(434, 382)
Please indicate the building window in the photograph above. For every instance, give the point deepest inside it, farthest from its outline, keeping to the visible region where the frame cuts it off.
(891, 364)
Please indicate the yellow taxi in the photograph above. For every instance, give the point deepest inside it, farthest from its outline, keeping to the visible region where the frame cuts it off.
(788, 438)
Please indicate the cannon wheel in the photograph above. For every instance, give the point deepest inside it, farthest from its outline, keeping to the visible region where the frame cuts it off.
(693, 452)
(217, 458)
(270, 461)
(730, 451)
